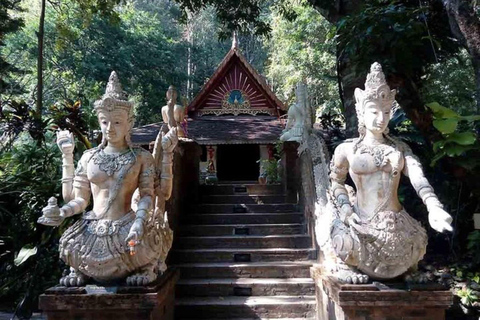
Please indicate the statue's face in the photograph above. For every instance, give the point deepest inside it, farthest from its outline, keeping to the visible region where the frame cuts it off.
(376, 117)
(114, 125)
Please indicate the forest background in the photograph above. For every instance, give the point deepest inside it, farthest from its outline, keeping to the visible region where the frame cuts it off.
(430, 52)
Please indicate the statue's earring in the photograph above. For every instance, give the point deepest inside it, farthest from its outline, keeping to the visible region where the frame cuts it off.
(361, 127)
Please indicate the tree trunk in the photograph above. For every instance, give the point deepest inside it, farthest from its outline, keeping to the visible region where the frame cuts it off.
(465, 26)
(40, 36)
(408, 96)
(189, 38)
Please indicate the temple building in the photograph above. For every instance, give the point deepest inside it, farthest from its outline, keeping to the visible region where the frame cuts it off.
(235, 119)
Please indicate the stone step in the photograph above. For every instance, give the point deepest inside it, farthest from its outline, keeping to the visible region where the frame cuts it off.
(244, 208)
(232, 189)
(269, 241)
(243, 199)
(239, 229)
(245, 307)
(245, 255)
(245, 287)
(297, 269)
(257, 318)
(244, 218)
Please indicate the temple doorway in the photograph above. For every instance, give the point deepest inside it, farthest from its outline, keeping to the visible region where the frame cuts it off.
(238, 162)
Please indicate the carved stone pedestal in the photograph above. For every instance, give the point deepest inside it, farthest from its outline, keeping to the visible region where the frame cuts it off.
(153, 302)
(337, 301)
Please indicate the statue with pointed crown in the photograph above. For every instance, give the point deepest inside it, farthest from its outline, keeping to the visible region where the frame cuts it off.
(370, 235)
(126, 236)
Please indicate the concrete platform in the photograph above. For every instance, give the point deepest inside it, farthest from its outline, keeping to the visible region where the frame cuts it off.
(153, 302)
(378, 301)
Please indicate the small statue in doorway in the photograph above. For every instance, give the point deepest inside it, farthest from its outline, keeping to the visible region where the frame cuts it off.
(126, 235)
(173, 114)
(374, 237)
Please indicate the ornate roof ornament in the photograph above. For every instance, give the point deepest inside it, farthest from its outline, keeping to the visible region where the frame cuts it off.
(114, 98)
(376, 89)
(235, 40)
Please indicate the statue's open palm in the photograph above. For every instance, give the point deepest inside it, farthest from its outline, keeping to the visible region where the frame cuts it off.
(65, 141)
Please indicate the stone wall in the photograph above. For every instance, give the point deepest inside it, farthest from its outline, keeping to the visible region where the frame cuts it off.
(307, 179)
(185, 181)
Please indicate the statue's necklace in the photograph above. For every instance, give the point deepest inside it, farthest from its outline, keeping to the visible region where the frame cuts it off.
(378, 152)
(111, 163)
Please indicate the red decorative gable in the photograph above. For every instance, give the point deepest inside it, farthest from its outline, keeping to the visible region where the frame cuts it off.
(236, 88)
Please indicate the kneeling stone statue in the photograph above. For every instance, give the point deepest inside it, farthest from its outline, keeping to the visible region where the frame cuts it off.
(373, 236)
(126, 235)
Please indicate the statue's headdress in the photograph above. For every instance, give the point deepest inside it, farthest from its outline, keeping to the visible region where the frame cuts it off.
(376, 89)
(115, 99)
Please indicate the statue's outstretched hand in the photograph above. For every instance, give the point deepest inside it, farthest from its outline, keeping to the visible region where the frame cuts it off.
(170, 140)
(439, 219)
(65, 141)
(136, 231)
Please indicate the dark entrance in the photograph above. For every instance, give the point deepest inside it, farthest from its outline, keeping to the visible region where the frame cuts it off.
(238, 162)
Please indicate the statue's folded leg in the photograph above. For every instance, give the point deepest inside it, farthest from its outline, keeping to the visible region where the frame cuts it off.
(346, 247)
(144, 276)
(74, 279)
(415, 276)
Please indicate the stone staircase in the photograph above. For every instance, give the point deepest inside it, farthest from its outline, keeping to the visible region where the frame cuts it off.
(244, 254)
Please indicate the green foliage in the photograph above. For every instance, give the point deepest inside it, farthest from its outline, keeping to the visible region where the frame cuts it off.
(473, 247)
(303, 50)
(71, 116)
(24, 254)
(8, 24)
(270, 170)
(467, 296)
(403, 36)
(80, 56)
(451, 82)
(29, 175)
(233, 15)
(458, 135)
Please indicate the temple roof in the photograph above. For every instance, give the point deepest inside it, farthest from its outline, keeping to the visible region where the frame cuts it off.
(234, 73)
(220, 130)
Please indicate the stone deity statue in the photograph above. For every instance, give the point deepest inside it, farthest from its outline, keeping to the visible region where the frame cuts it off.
(173, 114)
(126, 234)
(296, 121)
(372, 236)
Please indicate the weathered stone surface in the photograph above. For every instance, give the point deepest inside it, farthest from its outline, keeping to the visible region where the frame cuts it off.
(244, 189)
(229, 251)
(246, 199)
(246, 287)
(367, 233)
(155, 302)
(125, 237)
(254, 255)
(242, 207)
(296, 127)
(377, 302)
(240, 241)
(231, 229)
(271, 269)
(245, 307)
(244, 218)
